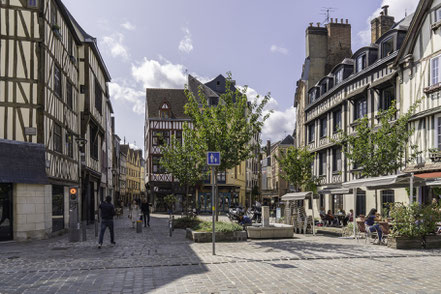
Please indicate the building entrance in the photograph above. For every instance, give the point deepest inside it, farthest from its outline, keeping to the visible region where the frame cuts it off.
(6, 212)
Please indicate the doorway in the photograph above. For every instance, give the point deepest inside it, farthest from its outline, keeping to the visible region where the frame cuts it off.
(57, 208)
(6, 222)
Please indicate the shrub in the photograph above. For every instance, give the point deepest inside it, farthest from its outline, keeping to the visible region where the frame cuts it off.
(186, 222)
(220, 227)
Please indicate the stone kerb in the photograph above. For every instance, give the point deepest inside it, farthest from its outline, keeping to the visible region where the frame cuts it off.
(201, 237)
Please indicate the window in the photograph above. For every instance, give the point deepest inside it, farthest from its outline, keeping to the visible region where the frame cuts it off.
(387, 198)
(438, 15)
(336, 159)
(69, 144)
(438, 134)
(94, 141)
(57, 81)
(57, 138)
(53, 13)
(336, 124)
(98, 97)
(361, 62)
(213, 101)
(161, 138)
(69, 98)
(323, 127)
(322, 166)
(387, 97)
(221, 177)
(32, 3)
(324, 88)
(339, 76)
(337, 203)
(312, 96)
(156, 165)
(361, 203)
(387, 47)
(360, 108)
(322, 201)
(434, 71)
(311, 132)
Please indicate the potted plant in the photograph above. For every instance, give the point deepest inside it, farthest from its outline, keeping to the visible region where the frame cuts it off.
(432, 216)
(408, 230)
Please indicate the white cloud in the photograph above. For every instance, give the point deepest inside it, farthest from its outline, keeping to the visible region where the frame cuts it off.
(397, 9)
(114, 43)
(277, 49)
(128, 94)
(160, 74)
(128, 26)
(279, 125)
(253, 95)
(186, 44)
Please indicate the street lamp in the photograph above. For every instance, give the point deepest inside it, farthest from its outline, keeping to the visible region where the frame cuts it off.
(81, 142)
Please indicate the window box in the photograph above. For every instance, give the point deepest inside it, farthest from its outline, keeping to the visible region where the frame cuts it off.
(435, 155)
(432, 89)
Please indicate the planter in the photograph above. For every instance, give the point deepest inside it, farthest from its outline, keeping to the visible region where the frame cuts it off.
(432, 241)
(201, 237)
(274, 231)
(405, 242)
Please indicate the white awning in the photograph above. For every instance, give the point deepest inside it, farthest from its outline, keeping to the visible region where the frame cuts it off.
(335, 191)
(295, 196)
(385, 182)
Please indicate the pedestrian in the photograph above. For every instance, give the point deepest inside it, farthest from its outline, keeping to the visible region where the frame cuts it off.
(145, 209)
(107, 213)
(134, 213)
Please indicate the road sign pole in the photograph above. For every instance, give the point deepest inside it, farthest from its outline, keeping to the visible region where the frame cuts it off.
(213, 211)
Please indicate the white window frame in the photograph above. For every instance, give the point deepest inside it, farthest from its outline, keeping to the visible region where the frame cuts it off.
(438, 78)
(437, 134)
(339, 76)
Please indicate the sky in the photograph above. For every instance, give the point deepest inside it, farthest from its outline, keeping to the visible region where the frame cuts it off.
(156, 43)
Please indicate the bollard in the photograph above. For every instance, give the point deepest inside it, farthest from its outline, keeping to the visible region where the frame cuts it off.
(172, 222)
(170, 226)
(139, 226)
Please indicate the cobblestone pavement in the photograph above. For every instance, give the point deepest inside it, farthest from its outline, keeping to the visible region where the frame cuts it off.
(153, 262)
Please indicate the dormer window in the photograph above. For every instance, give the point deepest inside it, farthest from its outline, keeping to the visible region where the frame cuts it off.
(361, 62)
(324, 88)
(312, 96)
(387, 47)
(164, 112)
(339, 76)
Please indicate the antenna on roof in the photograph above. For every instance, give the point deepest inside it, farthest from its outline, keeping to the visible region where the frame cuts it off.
(326, 11)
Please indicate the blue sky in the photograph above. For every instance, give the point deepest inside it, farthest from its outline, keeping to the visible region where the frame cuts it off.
(154, 43)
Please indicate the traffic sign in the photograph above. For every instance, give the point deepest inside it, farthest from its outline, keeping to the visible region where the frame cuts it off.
(213, 158)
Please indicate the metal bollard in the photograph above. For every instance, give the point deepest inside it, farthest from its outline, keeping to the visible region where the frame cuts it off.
(173, 220)
(170, 226)
(139, 226)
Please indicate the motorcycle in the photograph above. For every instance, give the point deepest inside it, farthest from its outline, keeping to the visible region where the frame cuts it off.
(255, 214)
(235, 213)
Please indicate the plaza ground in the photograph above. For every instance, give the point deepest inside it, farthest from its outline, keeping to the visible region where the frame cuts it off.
(153, 262)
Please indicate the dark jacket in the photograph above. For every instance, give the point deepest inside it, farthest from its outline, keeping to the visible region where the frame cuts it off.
(145, 208)
(107, 210)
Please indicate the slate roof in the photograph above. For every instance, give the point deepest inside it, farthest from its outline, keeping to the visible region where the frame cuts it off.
(219, 84)
(175, 98)
(28, 160)
(194, 84)
(124, 148)
(289, 140)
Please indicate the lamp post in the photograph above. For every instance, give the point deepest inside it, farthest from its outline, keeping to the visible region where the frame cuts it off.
(81, 142)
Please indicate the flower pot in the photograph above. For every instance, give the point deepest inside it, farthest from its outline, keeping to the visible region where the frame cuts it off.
(405, 242)
(432, 241)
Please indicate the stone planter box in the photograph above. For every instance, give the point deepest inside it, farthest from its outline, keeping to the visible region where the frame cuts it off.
(432, 241)
(274, 231)
(404, 243)
(220, 236)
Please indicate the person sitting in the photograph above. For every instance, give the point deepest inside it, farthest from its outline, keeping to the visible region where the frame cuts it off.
(372, 227)
(350, 216)
(330, 217)
(323, 216)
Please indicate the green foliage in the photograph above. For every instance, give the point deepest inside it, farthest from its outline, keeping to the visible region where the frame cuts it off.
(381, 150)
(220, 227)
(295, 164)
(414, 220)
(170, 200)
(186, 222)
(228, 127)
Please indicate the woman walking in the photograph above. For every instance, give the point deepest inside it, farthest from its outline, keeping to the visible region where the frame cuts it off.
(134, 213)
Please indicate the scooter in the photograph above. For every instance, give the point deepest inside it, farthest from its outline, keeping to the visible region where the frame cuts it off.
(234, 214)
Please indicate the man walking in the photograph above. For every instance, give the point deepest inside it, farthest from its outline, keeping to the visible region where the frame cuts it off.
(145, 209)
(107, 213)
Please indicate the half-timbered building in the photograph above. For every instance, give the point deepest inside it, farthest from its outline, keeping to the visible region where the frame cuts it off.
(39, 105)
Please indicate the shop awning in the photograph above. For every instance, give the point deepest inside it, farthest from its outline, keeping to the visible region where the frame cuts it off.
(22, 162)
(335, 191)
(386, 182)
(296, 196)
(433, 175)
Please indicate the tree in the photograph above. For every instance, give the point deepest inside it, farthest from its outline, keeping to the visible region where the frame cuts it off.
(184, 160)
(229, 126)
(296, 166)
(381, 149)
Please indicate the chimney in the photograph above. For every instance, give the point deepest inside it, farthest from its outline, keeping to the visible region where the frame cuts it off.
(268, 147)
(381, 24)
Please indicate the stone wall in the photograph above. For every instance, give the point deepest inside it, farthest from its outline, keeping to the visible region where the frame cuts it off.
(32, 211)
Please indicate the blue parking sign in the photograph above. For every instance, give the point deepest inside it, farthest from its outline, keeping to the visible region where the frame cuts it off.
(213, 158)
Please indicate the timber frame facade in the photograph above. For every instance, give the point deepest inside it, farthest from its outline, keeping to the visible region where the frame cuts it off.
(49, 72)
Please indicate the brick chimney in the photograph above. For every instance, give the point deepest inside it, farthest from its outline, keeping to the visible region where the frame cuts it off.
(381, 24)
